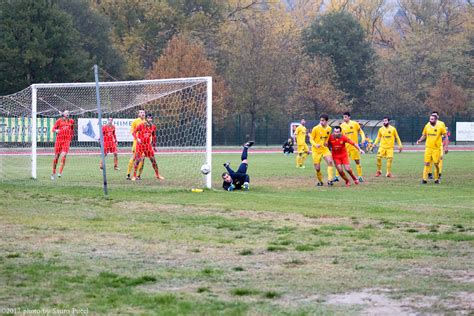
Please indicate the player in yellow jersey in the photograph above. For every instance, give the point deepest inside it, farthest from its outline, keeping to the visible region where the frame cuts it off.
(387, 135)
(433, 132)
(319, 138)
(440, 165)
(140, 119)
(302, 149)
(352, 130)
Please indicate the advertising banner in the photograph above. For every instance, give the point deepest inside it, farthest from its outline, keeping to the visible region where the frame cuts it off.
(88, 129)
(465, 131)
(18, 129)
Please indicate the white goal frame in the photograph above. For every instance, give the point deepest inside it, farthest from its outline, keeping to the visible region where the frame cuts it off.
(35, 87)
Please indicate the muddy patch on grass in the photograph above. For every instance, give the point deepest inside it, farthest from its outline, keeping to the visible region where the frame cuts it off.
(463, 276)
(370, 302)
(379, 302)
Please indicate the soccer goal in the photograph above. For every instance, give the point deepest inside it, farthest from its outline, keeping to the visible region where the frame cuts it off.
(181, 110)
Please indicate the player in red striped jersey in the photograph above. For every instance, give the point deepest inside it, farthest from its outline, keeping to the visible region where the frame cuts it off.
(145, 135)
(337, 143)
(110, 142)
(64, 129)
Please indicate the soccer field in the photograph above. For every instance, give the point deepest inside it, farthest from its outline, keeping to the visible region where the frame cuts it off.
(387, 246)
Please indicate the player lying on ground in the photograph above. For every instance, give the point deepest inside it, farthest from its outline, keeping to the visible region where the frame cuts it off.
(236, 180)
(386, 135)
(145, 135)
(110, 142)
(433, 133)
(337, 143)
(64, 129)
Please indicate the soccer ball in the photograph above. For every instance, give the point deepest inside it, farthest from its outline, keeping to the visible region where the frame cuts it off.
(205, 169)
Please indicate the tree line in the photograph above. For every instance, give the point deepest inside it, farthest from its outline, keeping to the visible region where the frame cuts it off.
(269, 59)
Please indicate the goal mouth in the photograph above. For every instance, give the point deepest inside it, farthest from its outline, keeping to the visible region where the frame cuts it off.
(181, 110)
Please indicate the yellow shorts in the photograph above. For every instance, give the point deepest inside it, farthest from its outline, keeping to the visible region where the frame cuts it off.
(385, 153)
(354, 154)
(303, 148)
(318, 155)
(432, 155)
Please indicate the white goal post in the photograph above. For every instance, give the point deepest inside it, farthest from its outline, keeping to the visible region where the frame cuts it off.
(181, 107)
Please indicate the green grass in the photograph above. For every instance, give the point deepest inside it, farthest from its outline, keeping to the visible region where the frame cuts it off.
(284, 247)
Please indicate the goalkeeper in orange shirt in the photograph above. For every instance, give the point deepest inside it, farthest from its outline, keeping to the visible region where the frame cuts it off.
(387, 135)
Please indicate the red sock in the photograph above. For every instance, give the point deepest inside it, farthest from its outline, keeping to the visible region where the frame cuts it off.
(352, 174)
(155, 166)
(63, 162)
(343, 175)
(55, 163)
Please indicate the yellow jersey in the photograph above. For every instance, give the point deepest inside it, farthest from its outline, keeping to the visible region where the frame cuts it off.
(135, 124)
(352, 129)
(300, 134)
(387, 136)
(319, 136)
(434, 135)
(441, 123)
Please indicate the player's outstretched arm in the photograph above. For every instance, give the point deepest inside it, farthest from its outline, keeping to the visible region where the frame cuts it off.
(355, 145)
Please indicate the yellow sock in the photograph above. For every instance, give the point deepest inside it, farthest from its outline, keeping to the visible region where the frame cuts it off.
(298, 160)
(130, 165)
(379, 164)
(389, 165)
(359, 170)
(337, 173)
(426, 170)
(319, 175)
(440, 166)
(140, 167)
(330, 173)
(436, 172)
(431, 168)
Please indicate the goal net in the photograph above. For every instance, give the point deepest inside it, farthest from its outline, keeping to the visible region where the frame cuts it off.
(181, 110)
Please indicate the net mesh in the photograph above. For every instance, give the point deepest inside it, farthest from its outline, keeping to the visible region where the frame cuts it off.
(179, 112)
